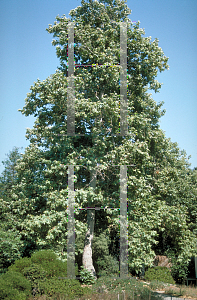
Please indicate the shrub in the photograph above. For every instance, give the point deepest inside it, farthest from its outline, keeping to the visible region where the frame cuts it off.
(115, 285)
(55, 268)
(70, 288)
(45, 258)
(51, 264)
(86, 276)
(40, 256)
(162, 274)
(20, 264)
(107, 266)
(36, 275)
(37, 270)
(14, 286)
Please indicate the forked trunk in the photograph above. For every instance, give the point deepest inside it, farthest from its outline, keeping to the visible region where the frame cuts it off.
(87, 252)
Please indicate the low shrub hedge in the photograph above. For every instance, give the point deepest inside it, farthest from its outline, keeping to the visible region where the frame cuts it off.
(14, 286)
(162, 274)
(69, 288)
(38, 275)
(20, 264)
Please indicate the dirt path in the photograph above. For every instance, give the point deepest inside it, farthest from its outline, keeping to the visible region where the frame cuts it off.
(168, 297)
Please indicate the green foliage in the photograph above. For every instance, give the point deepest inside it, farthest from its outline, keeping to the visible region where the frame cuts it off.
(36, 275)
(177, 293)
(46, 259)
(114, 282)
(156, 285)
(43, 174)
(104, 263)
(162, 274)
(130, 285)
(20, 264)
(43, 256)
(11, 245)
(70, 288)
(14, 286)
(51, 264)
(86, 277)
(180, 266)
(9, 175)
(11, 248)
(42, 270)
(162, 207)
(54, 286)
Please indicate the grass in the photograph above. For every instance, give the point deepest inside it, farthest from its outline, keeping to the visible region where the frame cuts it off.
(175, 290)
(182, 290)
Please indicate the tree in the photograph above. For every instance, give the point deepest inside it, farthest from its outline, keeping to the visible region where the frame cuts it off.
(11, 246)
(8, 176)
(39, 197)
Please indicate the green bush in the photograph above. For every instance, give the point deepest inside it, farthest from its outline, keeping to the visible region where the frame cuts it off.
(114, 283)
(107, 265)
(162, 274)
(86, 276)
(37, 270)
(14, 286)
(55, 268)
(45, 258)
(69, 288)
(20, 264)
(51, 264)
(36, 275)
(40, 256)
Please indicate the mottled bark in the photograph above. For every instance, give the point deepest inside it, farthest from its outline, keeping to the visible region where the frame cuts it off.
(87, 252)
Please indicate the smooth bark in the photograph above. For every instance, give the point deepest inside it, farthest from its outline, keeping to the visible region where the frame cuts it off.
(87, 252)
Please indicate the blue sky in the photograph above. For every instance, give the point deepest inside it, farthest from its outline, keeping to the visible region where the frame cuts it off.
(26, 54)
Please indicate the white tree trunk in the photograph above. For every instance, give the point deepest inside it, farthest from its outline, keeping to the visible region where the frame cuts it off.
(87, 252)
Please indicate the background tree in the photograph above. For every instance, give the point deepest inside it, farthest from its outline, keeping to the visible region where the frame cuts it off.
(11, 246)
(158, 166)
(8, 176)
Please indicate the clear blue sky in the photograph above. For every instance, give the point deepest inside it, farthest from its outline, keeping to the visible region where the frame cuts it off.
(26, 54)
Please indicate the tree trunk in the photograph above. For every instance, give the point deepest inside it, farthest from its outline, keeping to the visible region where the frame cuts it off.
(87, 252)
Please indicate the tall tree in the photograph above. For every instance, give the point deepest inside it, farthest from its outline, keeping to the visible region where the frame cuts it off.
(11, 246)
(39, 198)
(8, 176)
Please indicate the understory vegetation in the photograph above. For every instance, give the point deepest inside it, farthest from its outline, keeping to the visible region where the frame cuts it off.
(44, 276)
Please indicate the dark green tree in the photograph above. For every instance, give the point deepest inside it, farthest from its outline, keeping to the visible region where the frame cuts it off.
(8, 176)
(11, 246)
